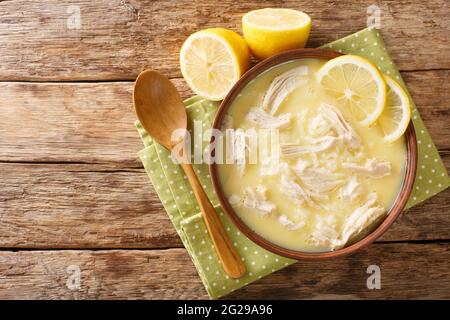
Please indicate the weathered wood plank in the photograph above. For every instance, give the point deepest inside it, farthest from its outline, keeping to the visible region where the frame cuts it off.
(432, 101)
(426, 221)
(40, 40)
(407, 271)
(156, 274)
(76, 122)
(93, 122)
(99, 206)
(419, 271)
(80, 206)
(68, 122)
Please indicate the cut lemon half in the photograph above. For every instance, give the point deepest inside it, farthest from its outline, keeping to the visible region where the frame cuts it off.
(397, 112)
(212, 61)
(357, 84)
(270, 31)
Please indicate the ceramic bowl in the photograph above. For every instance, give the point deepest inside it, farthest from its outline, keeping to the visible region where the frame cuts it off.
(394, 212)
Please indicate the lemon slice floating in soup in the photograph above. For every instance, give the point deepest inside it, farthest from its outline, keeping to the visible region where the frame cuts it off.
(396, 114)
(357, 84)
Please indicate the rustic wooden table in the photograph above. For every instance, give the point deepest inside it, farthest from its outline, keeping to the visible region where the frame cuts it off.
(75, 197)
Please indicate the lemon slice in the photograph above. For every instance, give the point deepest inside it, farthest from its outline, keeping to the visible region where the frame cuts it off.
(212, 60)
(357, 84)
(270, 31)
(397, 112)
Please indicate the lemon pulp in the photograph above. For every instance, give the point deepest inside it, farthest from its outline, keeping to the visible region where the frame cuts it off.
(357, 84)
(212, 61)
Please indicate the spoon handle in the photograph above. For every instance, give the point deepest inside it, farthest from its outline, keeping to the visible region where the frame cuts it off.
(231, 262)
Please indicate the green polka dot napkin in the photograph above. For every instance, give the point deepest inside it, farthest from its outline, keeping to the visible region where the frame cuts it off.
(178, 199)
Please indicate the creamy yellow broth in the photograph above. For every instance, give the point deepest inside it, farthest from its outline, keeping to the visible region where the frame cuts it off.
(303, 105)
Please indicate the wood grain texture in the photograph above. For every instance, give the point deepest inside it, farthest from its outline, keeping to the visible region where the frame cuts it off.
(118, 39)
(407, 271)
(99, 206)
(93, 122)
(70, 177)
(72, 206)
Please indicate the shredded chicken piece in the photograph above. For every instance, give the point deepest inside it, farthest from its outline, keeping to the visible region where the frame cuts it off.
(352, 190)
(319, 126)
(282, 86)
(257, 200)
(321, 180)
(271, 166)
(239, 149)
(300, 116)
(268, 167)
(269, 152)
(340, 125)
(372, 168)
(235, 200)
(290, 150)
(315, 159)
(289, 224)
(301, 165)
(325, 235)
(265, 120)
(294, 191)
(362, 218)
(298, 194)
(227, 122)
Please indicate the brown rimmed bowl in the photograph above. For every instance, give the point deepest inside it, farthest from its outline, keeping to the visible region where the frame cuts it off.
(394, 212)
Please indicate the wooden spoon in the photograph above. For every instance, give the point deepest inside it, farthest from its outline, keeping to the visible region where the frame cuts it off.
(161, 111)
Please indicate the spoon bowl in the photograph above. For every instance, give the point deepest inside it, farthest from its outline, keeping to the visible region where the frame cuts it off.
(159, 107)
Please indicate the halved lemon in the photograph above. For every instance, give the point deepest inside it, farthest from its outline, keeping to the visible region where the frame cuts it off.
(213, 60)
(270, 31)
(397, 112)
(357, 84)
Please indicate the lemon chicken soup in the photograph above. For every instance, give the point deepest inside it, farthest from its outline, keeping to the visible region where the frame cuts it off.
(330, 177)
